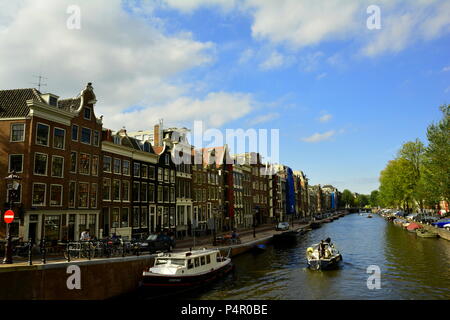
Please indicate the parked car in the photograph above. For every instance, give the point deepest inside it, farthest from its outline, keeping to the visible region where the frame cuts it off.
(157, 242)
(424, 218)
(281, 226)
(441, 223)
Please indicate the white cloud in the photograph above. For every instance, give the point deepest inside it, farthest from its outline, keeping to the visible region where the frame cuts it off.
(325, 118)
(216, 109)
(321, 76)
(446, 69)
(318, 137)
(130, 61)
(188, 6)
(274, 61)
(246, 56)
(305, 23)
(264, 118)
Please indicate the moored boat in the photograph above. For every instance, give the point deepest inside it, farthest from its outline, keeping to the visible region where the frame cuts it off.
(285, 237)
(425, 233)
(175, 272)
(369, 216)
(323, 256)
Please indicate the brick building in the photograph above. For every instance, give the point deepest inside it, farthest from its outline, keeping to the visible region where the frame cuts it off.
(54, 146)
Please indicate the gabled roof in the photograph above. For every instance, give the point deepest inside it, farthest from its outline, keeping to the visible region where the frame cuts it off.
(13, 103)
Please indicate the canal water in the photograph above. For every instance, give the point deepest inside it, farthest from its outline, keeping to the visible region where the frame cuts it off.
(411, 267)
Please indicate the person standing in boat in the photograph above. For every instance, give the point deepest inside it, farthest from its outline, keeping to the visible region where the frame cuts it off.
(321, 249)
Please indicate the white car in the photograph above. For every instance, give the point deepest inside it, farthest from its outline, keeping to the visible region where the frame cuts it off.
(446, 226)
(282, 226)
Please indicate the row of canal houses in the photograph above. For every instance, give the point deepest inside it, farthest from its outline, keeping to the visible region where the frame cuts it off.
(77, 175)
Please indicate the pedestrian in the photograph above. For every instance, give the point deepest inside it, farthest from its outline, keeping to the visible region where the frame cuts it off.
(85, 235)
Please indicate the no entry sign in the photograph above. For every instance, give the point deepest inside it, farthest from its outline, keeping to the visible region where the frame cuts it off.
(9, 216)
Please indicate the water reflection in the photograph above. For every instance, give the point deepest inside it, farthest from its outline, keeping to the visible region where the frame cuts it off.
(411, 267)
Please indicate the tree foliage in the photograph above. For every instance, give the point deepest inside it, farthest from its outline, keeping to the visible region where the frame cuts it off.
(419, 175)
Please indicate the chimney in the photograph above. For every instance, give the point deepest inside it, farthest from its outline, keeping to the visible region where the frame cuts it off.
(156, 138)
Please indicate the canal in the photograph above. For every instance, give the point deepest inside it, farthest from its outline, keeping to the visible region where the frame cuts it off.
(411, 267)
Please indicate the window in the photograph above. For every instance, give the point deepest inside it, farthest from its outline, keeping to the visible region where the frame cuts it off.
(74, 132)
(86, 135)
(93, 200)
(160, 174)
(83, 194)
(96, 140)
(57, 167)
(172, 176)
(59, 136)
(125, 190)
(116, 190)
(124, 217)
(166, 194)
(106, 189)
(115, 218)
(136, 169)
(85, 164)
(144, 217)
(17, 132)
(136, 217)
(136, 192)
(42, 134)
(144, 173)
(151, 172)
(72, 191)
(56, 192)
(87, 113)
(73, 162)
(95, 160)
(151, 192)
(40, 164)
(144, 192)
(166, 158)
(160, 194)
(107, 164)
(126, 167)
(172, 194)
(117, 166)
(166, 175)
(39, 190)
(15, 163)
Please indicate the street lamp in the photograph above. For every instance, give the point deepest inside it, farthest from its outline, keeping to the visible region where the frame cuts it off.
(12, 185)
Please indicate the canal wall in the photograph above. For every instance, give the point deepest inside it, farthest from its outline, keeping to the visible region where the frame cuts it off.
(99, 279)
(444, 234)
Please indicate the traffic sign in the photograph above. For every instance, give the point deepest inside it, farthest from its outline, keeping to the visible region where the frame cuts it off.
(9, 216)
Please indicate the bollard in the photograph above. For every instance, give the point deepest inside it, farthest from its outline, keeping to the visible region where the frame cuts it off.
(43, 251)
(30, 253)
(68, 251)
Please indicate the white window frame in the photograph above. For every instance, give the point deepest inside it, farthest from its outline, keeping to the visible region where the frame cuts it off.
(34, 165)
(62, 192)
(110, 167)
(48, 135)
(74, 195)
(64, 140)
(51, 169)
(90, 164)
(120, 190)
(32, 194)
(11, 131)
(88, 194)
(81, 136)
(90, 113)
(78, 132)
(9, 162)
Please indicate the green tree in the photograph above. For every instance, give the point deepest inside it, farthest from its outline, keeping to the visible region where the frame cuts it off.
(362, 200)
(373, 199)
(397, 182)
(437, 159)
(347, 198)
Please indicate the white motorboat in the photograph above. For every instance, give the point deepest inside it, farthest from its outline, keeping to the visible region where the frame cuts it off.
(327, 258)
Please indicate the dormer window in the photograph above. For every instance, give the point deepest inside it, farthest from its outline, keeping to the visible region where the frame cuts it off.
(87, 113)
(53, 101)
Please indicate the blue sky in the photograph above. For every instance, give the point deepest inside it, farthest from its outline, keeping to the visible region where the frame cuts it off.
(343, 97)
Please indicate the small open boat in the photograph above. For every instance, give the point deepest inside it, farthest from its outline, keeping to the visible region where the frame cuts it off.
(425, 233)
(329, 258)
(369, 216)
